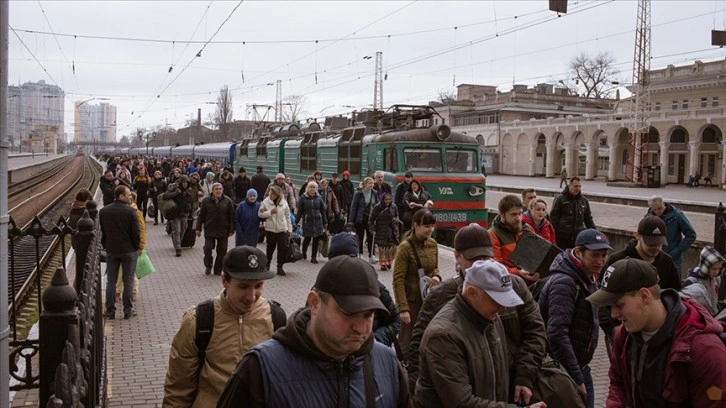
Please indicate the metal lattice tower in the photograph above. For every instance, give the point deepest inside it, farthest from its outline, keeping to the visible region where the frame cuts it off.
(278, 102)
(639, 125)
(378, 87)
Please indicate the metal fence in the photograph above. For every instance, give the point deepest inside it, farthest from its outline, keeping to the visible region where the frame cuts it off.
(67, 363)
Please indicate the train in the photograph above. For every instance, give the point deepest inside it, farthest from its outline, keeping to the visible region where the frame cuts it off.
(401, 139)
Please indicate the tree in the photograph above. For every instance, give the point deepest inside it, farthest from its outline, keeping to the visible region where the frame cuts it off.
(293, 108)
(223, 114)
(446, 97)
(593, 75)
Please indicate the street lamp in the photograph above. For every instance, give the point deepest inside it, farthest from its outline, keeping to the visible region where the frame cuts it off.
(147, 138)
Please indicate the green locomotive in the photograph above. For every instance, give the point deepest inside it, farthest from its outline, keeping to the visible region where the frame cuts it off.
(446, 163)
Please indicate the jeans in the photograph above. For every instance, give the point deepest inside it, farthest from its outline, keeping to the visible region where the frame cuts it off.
(589, 386)
(209, 244)
(279, 240)
(178, 226)
(128, 263)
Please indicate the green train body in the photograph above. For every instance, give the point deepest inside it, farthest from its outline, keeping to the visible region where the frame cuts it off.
(446, 163)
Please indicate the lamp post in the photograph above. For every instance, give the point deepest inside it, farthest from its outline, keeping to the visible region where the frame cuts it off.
(147, 138)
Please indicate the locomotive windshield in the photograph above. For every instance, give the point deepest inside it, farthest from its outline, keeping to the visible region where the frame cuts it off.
(422, 159)
(461, 161)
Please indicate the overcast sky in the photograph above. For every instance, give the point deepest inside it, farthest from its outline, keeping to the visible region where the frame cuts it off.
(428, 47)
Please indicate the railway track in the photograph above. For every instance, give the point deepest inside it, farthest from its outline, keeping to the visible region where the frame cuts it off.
(49, 197)
(20, 187)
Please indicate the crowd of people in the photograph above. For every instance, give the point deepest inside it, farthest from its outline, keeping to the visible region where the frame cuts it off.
(480, 338)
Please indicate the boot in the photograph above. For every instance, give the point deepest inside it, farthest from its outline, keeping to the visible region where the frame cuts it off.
(313, 260)
(280, 271)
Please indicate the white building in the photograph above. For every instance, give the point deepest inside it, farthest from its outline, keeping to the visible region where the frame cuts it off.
(33, 106)
(94, 123)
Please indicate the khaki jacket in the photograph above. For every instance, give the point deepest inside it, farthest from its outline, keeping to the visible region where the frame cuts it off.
(405, 274)
(233, 336)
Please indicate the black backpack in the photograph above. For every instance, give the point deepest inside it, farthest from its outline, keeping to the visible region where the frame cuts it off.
(205, 326)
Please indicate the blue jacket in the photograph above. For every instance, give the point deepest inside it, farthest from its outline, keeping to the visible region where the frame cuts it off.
(246, 223)
(571, 321)
(679, 233)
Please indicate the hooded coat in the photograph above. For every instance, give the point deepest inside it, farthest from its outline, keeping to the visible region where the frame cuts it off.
(682, 365)
(700, 286)
(290, 371)
(571, 321)
(570, 215)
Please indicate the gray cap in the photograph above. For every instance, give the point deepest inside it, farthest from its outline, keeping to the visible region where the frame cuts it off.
(494, 279)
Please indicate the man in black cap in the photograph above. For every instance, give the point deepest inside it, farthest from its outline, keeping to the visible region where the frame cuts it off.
(259, 181)
(572, 329)
(325, 355)
(667, 351)
(241, 185)
(648, 246)
(523, 324)
(240, 319)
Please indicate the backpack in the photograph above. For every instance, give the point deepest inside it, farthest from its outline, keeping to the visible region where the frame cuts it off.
(205, 326)
(555, 387)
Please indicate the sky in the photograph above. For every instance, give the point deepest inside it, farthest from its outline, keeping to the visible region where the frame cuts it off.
(159, 61)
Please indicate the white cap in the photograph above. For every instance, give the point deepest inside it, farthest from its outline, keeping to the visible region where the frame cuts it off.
(494, 279)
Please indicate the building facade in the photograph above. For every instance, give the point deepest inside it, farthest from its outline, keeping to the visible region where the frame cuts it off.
(94, 123)
(34, 106)
(686, 123)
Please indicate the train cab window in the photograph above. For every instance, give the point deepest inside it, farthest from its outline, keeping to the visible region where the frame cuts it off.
(423, 159)
(390, 161)
(461, 161)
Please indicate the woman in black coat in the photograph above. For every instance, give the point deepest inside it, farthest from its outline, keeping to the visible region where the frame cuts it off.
(311, 215)
(384, 224)
(415, 199)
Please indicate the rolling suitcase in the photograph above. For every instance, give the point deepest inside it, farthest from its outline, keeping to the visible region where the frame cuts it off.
(190, 236)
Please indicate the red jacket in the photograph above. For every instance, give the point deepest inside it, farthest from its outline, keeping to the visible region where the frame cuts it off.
(547, 231)
(504, 240)
(695, 373)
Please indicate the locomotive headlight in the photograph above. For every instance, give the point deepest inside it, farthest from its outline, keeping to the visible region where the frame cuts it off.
(476, 191)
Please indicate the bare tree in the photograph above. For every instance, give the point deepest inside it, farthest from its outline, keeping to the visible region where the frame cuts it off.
(293, 108)
(223, 114)
(593, 75)
(446, 97)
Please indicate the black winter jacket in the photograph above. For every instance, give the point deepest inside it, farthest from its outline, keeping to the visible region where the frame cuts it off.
(107, 189)
(571, 321)
(183, 199)
(217, 217)
(241, 186)
(386, 326)
(570, 215)
(120, 232)
(311, 214)
(383, 222)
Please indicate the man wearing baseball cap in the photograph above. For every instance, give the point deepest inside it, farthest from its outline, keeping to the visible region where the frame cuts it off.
(523, 324)
(572, 324)
(325, 355)
(240, 318)
(668, 351)
(648, 246)
(463, 359)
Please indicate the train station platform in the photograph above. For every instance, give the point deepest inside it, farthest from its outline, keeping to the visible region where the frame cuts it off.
(19, 161)
(138, 349)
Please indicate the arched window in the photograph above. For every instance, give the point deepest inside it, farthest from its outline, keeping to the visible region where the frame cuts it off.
(709, 135)
(678, 136)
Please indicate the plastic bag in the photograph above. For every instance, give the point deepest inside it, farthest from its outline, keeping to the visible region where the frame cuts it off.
(144, 267)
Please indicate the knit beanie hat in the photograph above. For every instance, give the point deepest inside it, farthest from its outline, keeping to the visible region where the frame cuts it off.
(344, 243)
(251, 192)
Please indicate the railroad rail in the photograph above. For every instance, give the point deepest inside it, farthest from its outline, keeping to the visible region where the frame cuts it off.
(33, 244)
(19, 187)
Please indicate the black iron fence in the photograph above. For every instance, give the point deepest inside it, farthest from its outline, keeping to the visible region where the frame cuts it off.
(67, 362)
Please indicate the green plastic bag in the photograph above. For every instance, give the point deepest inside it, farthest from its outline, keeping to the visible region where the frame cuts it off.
(144, 267)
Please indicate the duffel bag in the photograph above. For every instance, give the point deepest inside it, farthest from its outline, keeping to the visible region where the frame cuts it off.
(167, 207)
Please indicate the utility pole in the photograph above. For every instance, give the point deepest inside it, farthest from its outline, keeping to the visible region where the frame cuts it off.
(378, 87)
(4, 215)
(278, 102)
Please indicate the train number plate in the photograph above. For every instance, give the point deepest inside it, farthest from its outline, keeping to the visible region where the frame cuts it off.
(450, 217)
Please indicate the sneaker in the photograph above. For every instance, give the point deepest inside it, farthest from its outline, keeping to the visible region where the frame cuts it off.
(109, 315)
(208, 271)
(128, 315)
(178, 252)
(373, 259)
(281, 271)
